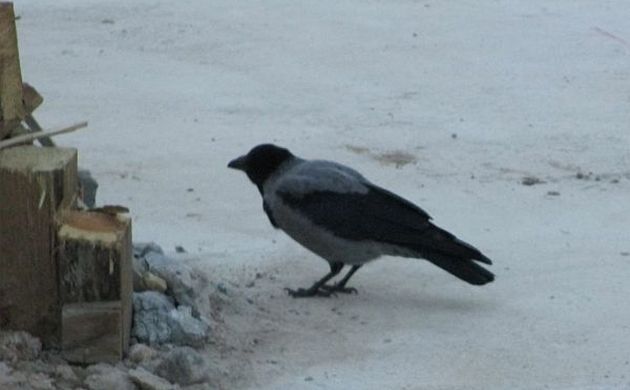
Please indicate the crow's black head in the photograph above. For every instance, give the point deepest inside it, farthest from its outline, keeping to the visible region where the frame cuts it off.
(261, 162)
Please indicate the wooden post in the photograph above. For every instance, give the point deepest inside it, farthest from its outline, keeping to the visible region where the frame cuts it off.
(35, 184)
(95, 269)
(11, 106)
(91, 332)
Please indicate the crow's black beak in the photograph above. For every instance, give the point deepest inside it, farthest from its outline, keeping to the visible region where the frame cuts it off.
(239, 163)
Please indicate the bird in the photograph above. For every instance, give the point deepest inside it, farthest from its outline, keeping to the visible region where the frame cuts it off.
(336, 213)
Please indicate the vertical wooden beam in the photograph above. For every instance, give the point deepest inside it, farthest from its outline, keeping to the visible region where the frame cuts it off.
(95, 274)
(35, 184)
(11, 105)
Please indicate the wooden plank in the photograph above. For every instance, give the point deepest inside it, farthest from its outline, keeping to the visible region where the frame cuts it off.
(95, 262)
(91, 256)
(28, 137)
(31, 98)
(35, 127)
(36, 183)
(126, 284)
(92, 332)
(11, 105)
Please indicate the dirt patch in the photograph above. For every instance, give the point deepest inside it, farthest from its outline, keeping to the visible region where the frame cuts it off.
(358, 149)
(398, 158)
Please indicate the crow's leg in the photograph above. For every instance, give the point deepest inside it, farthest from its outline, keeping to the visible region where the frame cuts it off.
(340, 286)
(316, 288)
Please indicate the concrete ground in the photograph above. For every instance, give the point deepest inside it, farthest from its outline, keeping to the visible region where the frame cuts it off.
(449, 104)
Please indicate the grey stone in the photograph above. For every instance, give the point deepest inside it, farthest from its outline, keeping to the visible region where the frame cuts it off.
(148, 381)
(157, 321)
(19, 345)
(88, 187)
(19, 380)
(140, 249)
(184, 366)
(143, 280)
(141, 353)
(12, 380)
(37, 365)
(188, 330)
(153, 282)
(40, 381)
(139, 268)
(182, 282)
(6, 377)
(150, 317)
(65, 376)
(4, 369)
(106, 377)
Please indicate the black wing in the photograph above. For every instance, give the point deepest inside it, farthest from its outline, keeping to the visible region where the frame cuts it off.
(379, 215)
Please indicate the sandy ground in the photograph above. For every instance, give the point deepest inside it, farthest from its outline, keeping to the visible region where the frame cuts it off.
(449, 104)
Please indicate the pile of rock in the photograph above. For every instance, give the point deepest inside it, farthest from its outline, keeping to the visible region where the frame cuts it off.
(166, 322)
(23, 365)
(165, 300)
(167, 335)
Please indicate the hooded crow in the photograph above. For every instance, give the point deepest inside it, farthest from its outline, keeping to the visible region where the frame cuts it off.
(338, 214)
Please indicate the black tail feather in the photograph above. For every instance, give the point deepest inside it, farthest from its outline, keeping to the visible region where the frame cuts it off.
(446, 243)
(465, 269)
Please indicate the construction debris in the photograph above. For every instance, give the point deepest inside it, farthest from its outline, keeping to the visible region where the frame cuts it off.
(16, 346)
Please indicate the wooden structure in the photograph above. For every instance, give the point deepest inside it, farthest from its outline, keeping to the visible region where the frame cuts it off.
(65, 274)
(36, 184)
(94, 252)
(12, 110)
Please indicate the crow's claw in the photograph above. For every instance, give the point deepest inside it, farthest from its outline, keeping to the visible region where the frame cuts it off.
(339, 289)
(308, 292)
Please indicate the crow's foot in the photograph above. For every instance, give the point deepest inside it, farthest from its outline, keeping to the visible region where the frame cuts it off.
(309, 292)
(335, 288)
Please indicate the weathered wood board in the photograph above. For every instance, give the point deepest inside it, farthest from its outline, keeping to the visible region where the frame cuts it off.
(92, 332)
(35, 184)
(32, 99)
(11, 105)
(95, 266)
